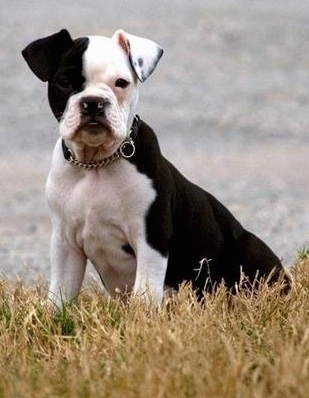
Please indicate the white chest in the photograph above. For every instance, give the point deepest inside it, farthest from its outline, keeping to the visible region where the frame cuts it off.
(101, 212)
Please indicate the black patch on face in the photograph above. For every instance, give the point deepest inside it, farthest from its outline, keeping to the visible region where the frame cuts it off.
(68, 79)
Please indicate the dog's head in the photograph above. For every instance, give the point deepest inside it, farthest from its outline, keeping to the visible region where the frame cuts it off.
(92, 82)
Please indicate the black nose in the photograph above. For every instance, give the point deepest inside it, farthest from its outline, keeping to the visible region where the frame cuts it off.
(93, 106)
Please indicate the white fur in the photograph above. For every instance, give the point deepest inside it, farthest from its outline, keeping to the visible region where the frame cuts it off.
(140, 49)
(96, 212)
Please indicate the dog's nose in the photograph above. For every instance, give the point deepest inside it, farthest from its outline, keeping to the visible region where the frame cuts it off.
(93, 106)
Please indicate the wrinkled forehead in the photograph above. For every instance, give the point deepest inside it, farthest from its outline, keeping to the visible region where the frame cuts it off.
(103, 56)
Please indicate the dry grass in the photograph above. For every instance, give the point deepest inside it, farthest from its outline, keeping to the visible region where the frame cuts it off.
(255, 346)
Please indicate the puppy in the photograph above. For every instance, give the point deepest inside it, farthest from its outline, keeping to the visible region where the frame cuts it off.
(114, 199)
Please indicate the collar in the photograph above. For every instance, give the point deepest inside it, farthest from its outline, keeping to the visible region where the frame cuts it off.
(126, 150)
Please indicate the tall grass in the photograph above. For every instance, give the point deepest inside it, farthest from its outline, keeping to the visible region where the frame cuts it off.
(246, 346)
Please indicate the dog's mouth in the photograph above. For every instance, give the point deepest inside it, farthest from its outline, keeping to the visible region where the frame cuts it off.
(95, 131)
(95, 125)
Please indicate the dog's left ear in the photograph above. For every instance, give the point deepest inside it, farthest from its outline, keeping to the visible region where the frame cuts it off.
(44, 55)
(144, 54)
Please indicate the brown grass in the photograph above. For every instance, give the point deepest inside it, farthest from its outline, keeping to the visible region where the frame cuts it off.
(255, 346)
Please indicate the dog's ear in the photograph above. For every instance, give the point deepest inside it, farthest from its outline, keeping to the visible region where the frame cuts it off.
(44, 55)
(144, 54)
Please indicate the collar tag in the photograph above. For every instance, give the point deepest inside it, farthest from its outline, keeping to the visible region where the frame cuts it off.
(127, 148)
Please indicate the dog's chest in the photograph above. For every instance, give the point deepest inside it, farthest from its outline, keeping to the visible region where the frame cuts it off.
(102, 212)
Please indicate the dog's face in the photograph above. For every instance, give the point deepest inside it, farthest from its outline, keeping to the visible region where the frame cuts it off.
(92, 83)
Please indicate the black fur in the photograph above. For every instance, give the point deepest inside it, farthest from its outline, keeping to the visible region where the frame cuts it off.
(58, 60)
(204, 242)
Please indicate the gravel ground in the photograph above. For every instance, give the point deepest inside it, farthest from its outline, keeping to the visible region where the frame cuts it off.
(229, 102)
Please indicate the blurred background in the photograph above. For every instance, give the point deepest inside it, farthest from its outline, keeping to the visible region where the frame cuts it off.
(229, 102)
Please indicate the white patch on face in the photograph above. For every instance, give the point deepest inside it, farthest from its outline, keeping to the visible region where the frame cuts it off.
(104, 62)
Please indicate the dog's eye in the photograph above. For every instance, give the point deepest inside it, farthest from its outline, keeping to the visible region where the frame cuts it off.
(122, 83)
(64, 83)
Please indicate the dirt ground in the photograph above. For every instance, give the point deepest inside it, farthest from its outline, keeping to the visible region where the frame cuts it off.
(229, 102)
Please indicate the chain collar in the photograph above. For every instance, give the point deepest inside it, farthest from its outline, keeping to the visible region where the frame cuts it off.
(126, 150)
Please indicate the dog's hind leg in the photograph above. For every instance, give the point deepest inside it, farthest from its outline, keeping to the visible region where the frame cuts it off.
(258, 261)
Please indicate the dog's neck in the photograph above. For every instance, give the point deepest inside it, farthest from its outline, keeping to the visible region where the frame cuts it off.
(87, 157)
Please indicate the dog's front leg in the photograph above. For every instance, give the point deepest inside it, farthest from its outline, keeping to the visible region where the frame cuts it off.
(68, 266)
(150, 274)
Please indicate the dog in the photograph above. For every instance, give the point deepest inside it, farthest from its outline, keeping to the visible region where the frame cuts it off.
(114, 199)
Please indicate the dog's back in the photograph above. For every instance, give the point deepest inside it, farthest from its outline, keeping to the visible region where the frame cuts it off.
(204, 242)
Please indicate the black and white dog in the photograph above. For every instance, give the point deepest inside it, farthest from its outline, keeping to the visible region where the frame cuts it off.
(114, 199)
